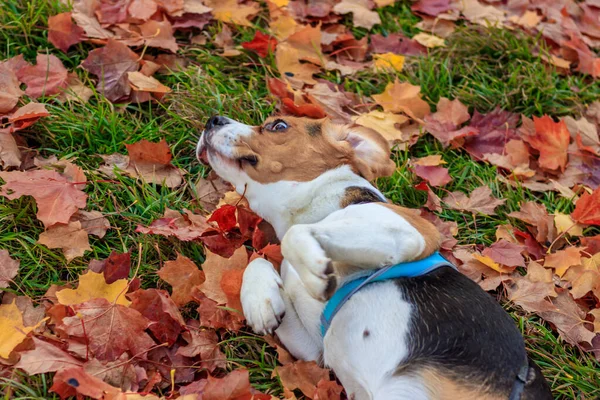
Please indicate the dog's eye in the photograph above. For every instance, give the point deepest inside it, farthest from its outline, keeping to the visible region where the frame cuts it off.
(278, 126)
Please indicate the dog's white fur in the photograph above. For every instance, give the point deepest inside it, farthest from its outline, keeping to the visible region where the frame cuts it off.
(314, 231)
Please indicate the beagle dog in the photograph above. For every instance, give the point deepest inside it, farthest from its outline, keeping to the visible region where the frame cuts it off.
(431, 333)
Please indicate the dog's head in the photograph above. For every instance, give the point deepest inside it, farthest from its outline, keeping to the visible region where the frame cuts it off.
(290, 149)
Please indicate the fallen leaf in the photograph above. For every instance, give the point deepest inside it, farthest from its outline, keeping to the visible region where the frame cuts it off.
(505, 253)
(569, 320)
(362, 15)
(47, 77)
(387, 124)
(444, 123)
(93, 286)
(142, 9)
(233, 12)
(72, 238)
(10, 91)
(120, 373)
(75, 91)
(111, 64)
(535, 214)
(183, 227)
(235, 385)
(332, 100)
(204, 343)
(148, 84)
(302, 375)
(27, 115)
(429, 7)
(166, 322)
(183, 275)
(562, 260)
(328, 390)
(75, 380)
(13, 331)
(109, 329)
(565, 224)
(528, 20)
(56, 197)
(481, 14)
(587, 208)
(159, 34)
(63, 33)
(481, 201)
(531, 291)
(44, 358)
(591, 244)
(403, 97)
(436, 176)
(487, 261)
(261, 44)
(388, 61)
(429, 41)
(221, 284)
(8, 269)
(93, 222)
(551, 139)
(214, 316)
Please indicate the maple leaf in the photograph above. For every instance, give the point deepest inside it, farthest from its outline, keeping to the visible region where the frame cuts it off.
(111, 64)
(72, 238)
(494, 130)
(44, 358)
(142, 9)
(569, 320)
(429, 41)
(8, 269)
(591, 244)
(159, 34)
(183, 275)
(332, 100)
(387, 124)
(115, 267)
(587, 208)
(396, 43)
(10, 92)
(45, 78)
(93, 222)
(206, 344)
(481, 201)
(530, 292)
(505, 253)
(429, 7)
(13, 331)
(184, 227)
(27, 116)
(482, 274)
(562, 260)
(403, 97)
(223, 283)
(63, 33)
(93, 286)
(235, 385)
(303, 375)
(551, 139)
(536, 214)
(143, 83)
(233, 12)
(436, 176)
(57, 199)
(109, 329)
(388, 61)
(261, 44)
(71, 381)
(481, 14)
(119, 373)
(211, 190)
(156, 305)
(444, 123)
(215, 316)
(362, 15)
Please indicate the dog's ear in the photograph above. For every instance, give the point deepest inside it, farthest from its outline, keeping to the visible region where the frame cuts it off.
(371, 150)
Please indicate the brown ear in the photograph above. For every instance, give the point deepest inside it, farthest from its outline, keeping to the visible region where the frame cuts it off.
(371, 150)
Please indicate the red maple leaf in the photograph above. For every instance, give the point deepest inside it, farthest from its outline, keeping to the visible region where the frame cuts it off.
(587, 208)
(261, 44)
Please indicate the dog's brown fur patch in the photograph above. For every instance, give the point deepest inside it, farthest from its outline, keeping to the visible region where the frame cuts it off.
(441, 387)
(432, 236)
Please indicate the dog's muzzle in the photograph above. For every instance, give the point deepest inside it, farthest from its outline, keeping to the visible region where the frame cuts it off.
(210, 127)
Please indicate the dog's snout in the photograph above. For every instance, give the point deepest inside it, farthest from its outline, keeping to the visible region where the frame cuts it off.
(216, 120)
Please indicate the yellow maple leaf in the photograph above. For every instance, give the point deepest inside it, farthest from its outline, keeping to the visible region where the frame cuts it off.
(428, 40)
(232, 12)
(387, 125)
(403, 97)
(389, 61)
(280, 3)
(92, 286)
(283, 27)
(492, 264)
(564, 223)
(12, 330)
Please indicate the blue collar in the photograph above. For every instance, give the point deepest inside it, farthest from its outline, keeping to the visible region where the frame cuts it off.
(403, 270)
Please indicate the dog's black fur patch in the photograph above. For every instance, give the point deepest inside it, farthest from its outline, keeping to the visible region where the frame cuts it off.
(460, 330)
(313, 129)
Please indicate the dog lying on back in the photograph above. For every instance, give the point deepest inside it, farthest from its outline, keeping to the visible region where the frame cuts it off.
(434, 335)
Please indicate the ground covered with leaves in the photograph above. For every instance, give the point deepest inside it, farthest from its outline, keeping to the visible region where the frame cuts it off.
(121, 257)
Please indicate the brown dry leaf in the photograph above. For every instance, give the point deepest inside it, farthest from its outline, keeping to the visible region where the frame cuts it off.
(562, 260)
(302, 375)
(143, 83)
(528, 20)
(159, 34)
(331, 100)
(27, 115)
(57, 199)
(444, 123)
(142, 9)
(387, 124)
(206, 344)
(569, 320)
(75, 91)
(223, 283)
(93, 286)
(63, 33)
(211, 190)
(403, 97)
(93, 222)
(587, 131)
(10, 155)
(44, 358)
(429, 41)
(535, 214)
(71, 238)
(166, 322)
(505, 253)
(481, 14)
(436, 26)
(362, 15)
(47, 77)
(183, 275)
(232, 11)
(10, 90)
(531, 291)
(111, 64)
(8, 269)
(481, 200)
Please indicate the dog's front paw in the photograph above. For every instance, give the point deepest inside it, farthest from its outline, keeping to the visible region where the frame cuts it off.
(261, 297)
(305, 254)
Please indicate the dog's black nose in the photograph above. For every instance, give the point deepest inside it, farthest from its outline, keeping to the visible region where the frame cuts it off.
(216, 120)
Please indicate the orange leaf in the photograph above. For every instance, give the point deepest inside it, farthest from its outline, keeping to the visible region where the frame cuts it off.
(587, 208)
(551, 139)
(183, 275)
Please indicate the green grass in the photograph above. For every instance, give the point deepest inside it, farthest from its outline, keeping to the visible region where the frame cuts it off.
(484, 68)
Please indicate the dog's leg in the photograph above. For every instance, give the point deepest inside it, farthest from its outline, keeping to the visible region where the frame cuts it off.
(262, 296)
(366, 236)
